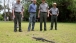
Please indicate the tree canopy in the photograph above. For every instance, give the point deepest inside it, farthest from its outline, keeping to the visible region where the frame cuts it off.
(67, 9)
(1, 7)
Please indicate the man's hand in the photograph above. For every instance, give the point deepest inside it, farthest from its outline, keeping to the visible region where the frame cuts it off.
(57, 14)
(22, 16)
(48, 15)
(13, 17)
(13, 14)
(38, 16)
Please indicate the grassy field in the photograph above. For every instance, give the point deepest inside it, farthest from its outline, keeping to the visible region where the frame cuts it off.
(66, 33)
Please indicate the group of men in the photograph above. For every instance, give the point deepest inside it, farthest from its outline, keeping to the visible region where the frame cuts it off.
(43, 13)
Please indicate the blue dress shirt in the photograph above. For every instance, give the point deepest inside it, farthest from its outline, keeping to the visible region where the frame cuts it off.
(32, 8)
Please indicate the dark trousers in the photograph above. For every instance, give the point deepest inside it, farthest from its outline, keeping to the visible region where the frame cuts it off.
(53, 19)
(17, 19)
(43, 18)
(32, 20)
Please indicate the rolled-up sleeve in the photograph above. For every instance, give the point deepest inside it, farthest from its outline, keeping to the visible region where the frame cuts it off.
(50, 9)
(13, 7)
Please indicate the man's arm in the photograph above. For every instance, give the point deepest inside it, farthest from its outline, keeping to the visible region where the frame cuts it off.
(13, 13)
(22, 12)
(58, 12)
(48, 13)
(48, 10)
(39, 13)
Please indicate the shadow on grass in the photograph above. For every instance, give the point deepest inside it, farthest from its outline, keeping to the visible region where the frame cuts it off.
(42, 39)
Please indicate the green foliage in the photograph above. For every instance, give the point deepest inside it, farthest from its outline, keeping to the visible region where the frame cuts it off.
(1, 7)
(67, 9)
(1, 17)
(26, 4)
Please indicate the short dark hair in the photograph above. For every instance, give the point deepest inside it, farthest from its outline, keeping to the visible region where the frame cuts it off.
(43, 0)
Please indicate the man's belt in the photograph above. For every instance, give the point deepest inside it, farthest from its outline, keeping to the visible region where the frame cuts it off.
(32, 12)
(54, 15)
(43, 12)
(17, 12)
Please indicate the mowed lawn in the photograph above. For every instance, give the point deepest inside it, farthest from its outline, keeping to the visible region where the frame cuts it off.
(66, 33)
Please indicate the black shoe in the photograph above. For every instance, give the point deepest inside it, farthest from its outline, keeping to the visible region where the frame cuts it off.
(45, 30)
(15, 31)
(32, 30)
(40, 30)
(51, 29)
(20, 30)
(55, 29)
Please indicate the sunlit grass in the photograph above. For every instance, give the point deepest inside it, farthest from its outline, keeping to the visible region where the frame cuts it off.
(66, 33)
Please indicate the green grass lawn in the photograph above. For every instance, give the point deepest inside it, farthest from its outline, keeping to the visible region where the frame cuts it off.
(66, 33)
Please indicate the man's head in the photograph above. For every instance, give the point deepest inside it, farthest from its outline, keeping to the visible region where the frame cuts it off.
(43, 1)
(18, 1)
(54, 4)
(34, 1)
(31, 0)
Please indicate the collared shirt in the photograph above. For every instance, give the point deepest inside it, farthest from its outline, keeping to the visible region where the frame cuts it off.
(18, 7)
(32, 7)
(43, 7)
(54, 11)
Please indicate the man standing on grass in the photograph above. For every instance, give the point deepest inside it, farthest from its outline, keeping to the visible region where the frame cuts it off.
(43, 13)
(54, 14)
(32, 11)
(17, 15)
